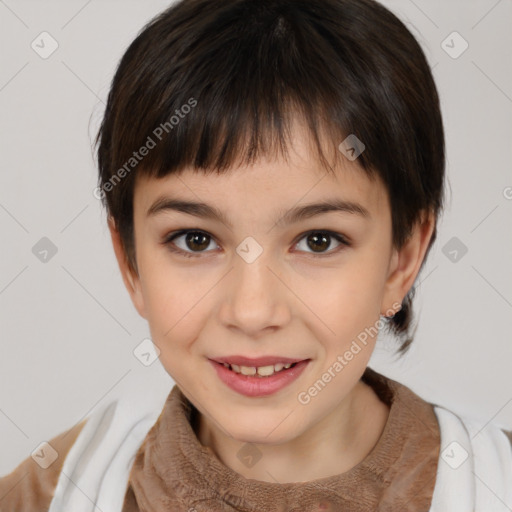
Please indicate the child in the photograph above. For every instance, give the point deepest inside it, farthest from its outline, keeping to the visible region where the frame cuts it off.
(273, 172)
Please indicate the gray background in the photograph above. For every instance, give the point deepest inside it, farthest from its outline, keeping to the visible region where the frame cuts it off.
(68, 328)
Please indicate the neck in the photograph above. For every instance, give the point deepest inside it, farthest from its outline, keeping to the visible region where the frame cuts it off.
(350, 432)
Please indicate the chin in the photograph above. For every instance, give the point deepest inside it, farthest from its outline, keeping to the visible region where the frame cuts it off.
(264, 431)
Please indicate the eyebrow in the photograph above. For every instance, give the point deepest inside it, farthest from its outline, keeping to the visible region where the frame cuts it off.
(296, 214)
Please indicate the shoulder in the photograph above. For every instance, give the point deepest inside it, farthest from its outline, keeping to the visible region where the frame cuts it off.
(97, 453)
(479, 432)
(83, 452)
(474, 466)
(30, 486)
(100, 460)
(475, 456)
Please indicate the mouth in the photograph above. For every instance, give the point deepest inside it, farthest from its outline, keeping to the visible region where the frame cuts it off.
(258, 381)
(259, 371)
(258, 367)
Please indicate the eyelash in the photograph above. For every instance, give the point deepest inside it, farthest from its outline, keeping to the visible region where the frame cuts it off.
(173, 236)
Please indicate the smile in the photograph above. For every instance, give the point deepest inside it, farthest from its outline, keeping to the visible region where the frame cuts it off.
(255, 381)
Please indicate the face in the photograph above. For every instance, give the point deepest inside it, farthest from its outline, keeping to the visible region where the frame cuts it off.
(262, 283)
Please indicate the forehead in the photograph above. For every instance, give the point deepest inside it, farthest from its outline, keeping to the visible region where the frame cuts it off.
(270, 184)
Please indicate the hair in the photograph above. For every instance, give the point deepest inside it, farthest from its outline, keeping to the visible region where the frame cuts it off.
(212, 84)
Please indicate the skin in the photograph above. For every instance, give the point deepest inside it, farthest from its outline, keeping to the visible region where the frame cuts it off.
(287, 302)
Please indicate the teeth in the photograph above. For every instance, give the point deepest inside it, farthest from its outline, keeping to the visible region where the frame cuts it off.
(247, 370)
(262, 371)
(265, 371)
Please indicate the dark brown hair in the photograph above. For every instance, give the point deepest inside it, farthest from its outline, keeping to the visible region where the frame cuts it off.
(212, 84)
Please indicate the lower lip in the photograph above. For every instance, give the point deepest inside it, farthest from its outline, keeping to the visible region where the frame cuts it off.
(250, 385)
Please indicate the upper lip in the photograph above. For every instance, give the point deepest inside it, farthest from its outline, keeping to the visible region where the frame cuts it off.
(257, 361)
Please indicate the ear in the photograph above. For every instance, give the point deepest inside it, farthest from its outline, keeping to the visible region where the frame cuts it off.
(406, 263)
(130, 277)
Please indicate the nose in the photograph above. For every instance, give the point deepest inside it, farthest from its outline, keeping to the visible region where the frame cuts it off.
(255, 301)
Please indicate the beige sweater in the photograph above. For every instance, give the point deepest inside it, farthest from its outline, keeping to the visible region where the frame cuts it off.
(173, 471)
(398, 474)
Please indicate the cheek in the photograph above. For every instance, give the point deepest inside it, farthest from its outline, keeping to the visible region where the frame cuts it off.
(171, 306)
(175, 300)
(366, 278)
(349, 304)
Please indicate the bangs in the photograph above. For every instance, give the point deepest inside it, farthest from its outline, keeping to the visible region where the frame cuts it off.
(238, 134)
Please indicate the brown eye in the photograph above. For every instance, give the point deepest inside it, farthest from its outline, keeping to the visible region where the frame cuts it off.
(319, 241)
(194, 243)
(196, 240)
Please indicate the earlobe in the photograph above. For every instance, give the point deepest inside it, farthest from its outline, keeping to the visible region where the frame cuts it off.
(406, 263)
(130, 278)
